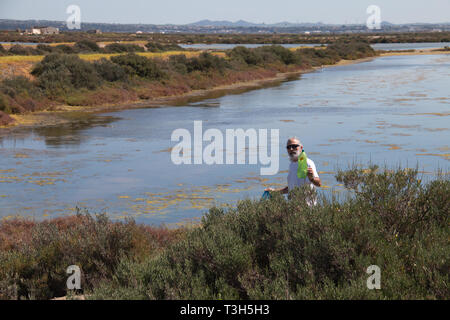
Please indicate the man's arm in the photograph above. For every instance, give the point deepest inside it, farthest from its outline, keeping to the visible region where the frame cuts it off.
(281, 190)
(314, 180)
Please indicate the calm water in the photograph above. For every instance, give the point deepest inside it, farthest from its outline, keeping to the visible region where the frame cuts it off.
(390, 111)
(226, 46)
(377, 46)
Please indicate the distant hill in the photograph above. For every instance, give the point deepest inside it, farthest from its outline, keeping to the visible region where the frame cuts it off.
(223, 23)
(224, 26)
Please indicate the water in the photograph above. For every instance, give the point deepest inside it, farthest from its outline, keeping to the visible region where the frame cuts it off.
(390, 111)
(409, 46)
(228, 46)
(376, 46)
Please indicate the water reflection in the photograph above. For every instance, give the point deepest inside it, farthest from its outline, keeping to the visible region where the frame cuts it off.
(71, 133)
(62, 135)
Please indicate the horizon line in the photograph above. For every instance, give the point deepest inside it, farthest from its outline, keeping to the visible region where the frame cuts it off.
(240, 20)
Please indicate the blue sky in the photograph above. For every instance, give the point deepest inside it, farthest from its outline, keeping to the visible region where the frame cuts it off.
(187, 11)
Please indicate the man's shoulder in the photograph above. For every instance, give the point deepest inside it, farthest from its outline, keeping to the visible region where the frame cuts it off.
(309, 161)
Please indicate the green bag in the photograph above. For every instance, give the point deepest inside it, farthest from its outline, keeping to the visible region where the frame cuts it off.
(302, 169)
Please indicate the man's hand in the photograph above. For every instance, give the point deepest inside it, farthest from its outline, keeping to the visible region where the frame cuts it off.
(315, 181)
(282, 190)
(310, 174)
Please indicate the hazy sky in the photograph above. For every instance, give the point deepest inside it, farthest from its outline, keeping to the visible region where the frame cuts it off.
(187, 11)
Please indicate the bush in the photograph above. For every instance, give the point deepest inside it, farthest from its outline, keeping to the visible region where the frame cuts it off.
(179, 63)
(86, 46)
(275, 53)
(352, 49)
(4, 104)
(63, 48)
(110, 71)
(44, 48)
(246, 55)
(206, 62)
(21, 50)
(285, 249)
(121, 47)
(138, 65)
(158, 47)
(59, 73)
(19, 86)
(35, 267)
(19, 94)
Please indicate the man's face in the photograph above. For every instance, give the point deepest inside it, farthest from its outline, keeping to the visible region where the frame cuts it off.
(294, 148)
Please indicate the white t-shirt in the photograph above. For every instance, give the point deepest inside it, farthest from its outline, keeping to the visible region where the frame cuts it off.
(294, 181)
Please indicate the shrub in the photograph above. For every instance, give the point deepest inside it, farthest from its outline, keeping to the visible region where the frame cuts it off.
(86, 46)
(20, 50)
(19, 86)
(285, 249)
(4, 104)
(63, 48)
(36, 265)
(352, 49)
(317, 57)
(246, 55)
(121, 47)
(138, 65)
(206, 62)
(179, 63)
(19, 94)
(110, 71)
(158, 47)
(275, 53)
(58, 73)
(44, 48)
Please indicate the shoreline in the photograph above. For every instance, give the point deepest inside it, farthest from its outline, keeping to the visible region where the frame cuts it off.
(60, 114)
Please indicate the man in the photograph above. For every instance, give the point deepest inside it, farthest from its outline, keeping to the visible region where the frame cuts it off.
(294, 148)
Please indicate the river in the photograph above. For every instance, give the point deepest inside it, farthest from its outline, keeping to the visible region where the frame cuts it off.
(391, 111)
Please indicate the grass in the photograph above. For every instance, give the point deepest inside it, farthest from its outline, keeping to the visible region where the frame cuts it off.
(98, 56)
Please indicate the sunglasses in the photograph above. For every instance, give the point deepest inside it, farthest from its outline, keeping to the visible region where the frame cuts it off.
(292, 146)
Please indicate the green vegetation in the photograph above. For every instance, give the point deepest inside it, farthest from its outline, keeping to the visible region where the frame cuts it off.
(87, 46)
(139, 66)
(264, 249)
(34, 256)
(110, 71)
(351, 50)
(120, 47)
(157, 47)
(57, 74)
(276, 38)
